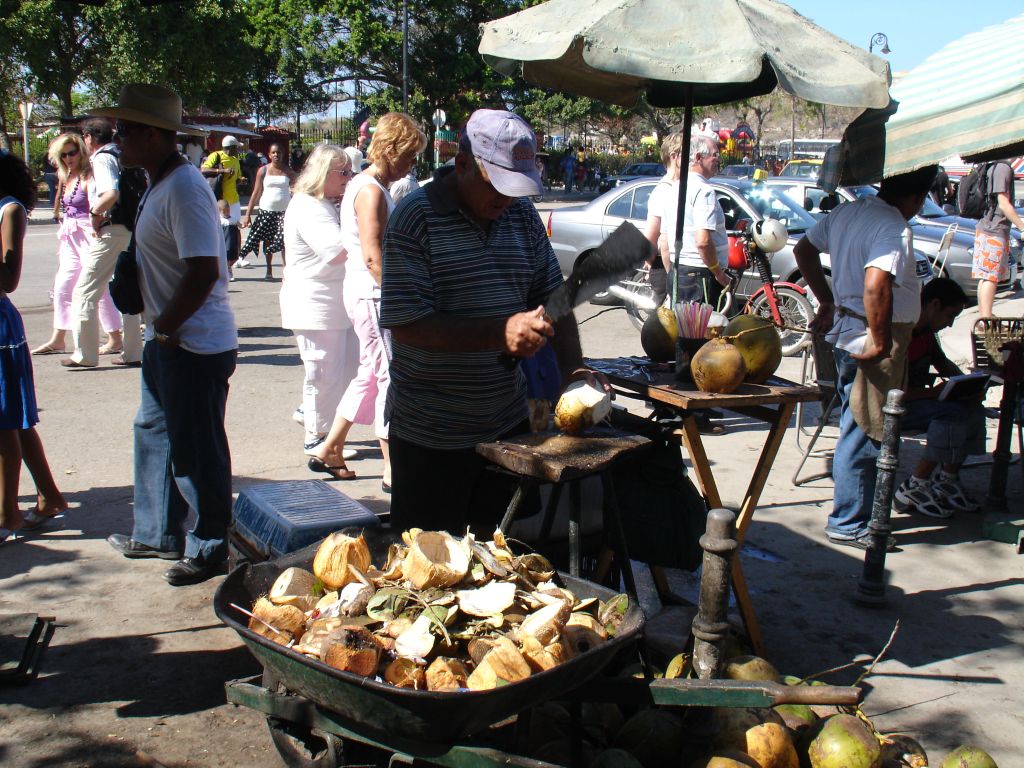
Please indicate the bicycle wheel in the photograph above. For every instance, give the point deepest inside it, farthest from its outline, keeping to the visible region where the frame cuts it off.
(796, 312)
(640, 285)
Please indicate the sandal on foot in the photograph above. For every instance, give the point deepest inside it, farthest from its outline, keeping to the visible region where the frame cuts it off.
(107, 349)
(338, 473)
(48, 349)
(33, 520)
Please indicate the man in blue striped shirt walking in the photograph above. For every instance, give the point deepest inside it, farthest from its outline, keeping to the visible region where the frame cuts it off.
(467, 267)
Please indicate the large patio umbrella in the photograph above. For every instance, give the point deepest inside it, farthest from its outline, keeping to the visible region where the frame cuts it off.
(682, 53)
(966, 99)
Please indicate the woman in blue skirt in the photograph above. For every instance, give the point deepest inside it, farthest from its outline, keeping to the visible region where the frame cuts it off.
(18, 417)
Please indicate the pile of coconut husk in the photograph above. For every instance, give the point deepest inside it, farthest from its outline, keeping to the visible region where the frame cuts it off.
(442, 613)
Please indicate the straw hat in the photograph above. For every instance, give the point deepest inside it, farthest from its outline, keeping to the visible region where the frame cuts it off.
(149, 105)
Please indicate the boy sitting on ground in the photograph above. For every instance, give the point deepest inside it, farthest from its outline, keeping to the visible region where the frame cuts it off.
(955, 428)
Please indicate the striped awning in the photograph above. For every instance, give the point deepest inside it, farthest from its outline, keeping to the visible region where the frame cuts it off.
(966, 99)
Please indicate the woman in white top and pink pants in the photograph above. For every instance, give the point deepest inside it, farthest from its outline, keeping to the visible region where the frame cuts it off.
(364, 215)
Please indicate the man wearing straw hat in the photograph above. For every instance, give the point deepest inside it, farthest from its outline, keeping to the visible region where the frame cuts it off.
(182, 461)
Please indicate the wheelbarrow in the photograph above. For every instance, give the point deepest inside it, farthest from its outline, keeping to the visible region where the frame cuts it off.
(316, 713)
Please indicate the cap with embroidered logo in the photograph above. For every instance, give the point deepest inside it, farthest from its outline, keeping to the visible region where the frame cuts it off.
(507, 147)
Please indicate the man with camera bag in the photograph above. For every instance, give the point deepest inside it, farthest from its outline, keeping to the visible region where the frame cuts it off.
(182, 459)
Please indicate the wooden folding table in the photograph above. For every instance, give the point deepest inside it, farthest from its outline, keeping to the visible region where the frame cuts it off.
(772, 403)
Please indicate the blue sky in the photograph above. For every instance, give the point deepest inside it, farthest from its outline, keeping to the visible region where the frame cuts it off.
(915, 28)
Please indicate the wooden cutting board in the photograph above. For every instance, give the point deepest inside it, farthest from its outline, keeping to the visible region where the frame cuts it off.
(556, 457)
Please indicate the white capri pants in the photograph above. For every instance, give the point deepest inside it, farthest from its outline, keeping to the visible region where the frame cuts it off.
(330, 360)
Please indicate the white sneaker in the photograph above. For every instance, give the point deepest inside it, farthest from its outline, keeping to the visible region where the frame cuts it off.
(299, 417)
(243, 263)
(915, 495)
(956, 497)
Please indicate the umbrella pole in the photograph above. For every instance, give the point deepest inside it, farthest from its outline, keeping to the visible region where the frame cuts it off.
(684, 172)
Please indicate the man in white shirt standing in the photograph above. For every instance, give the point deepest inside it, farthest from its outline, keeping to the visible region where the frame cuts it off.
(701, 263)
(182, 459)
(98, 266)
(870, 312)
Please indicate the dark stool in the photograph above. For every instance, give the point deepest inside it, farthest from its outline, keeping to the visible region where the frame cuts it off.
(553, 458)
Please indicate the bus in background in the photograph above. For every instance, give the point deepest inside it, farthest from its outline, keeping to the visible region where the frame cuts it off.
(811, 149)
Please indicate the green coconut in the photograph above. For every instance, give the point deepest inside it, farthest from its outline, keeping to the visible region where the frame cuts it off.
(797, 716)
(750, 668)
(718, 367)
(616, 758)
(845, 741)
(652, 736)
(658, 335)
(761, 349)
(900, 751)
(968, 757)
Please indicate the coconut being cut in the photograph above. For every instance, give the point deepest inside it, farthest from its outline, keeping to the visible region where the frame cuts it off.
(580, 407)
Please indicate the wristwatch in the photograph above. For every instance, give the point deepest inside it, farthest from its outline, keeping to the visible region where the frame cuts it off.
(165, 338)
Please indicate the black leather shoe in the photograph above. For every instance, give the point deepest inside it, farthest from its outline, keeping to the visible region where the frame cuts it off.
(134, 550)
(188, 570)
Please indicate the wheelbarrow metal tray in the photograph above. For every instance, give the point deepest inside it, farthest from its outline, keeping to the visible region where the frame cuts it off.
(433, 716)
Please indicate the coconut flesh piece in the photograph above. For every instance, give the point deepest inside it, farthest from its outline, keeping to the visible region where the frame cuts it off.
(336, 553)
(540, 657)
(581, 406)
(488, 600)
(502, 664)
(435, 559)
(294, 587)
(417, 641)
(546, 624)
(405, 673)
(280, 623)
(446, 674)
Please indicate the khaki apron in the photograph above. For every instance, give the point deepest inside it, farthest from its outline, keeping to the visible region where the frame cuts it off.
(874, 380)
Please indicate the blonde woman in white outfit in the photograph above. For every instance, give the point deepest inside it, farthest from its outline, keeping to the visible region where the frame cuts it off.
(311, 295)
(364, 215)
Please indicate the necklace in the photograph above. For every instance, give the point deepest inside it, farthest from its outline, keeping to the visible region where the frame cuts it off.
(66, 201)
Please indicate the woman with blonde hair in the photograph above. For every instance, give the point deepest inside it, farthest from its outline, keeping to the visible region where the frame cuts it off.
(71, 208)
(311, 295)
(364, 215)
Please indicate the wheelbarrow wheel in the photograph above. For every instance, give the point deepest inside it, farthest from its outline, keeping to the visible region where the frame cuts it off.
(302, 747)
(299, 746)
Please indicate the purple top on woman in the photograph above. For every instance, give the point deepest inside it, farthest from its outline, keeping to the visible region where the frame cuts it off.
(76, 202)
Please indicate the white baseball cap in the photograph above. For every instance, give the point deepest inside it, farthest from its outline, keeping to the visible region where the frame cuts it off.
(229, 141)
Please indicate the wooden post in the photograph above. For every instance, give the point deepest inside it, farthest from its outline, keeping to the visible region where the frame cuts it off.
(710, 625)
(871, 585)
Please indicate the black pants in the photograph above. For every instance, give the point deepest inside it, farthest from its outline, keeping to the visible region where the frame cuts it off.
(438, 489)
(698, 284)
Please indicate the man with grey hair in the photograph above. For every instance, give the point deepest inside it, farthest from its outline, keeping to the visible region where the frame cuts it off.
(467, 267)
(701, 262)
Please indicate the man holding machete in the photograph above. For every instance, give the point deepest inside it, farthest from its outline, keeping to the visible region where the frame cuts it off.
(467, 268)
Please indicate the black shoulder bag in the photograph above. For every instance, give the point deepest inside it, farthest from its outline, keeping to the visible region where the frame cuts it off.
(125, 286)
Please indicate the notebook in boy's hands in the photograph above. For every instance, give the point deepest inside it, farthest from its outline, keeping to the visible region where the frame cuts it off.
(968, 385)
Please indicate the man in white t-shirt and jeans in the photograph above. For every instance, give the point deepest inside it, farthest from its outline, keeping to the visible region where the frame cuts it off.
(869, 313)
(701, 263)
(98, 265)
(182, 459)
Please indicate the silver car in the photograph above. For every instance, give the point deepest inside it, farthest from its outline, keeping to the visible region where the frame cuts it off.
(928, 226)
(576, 231)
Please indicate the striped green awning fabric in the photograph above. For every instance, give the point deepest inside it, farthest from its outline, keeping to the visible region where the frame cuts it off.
(966, 99)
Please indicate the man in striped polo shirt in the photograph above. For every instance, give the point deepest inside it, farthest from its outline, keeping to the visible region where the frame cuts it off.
(467, 267)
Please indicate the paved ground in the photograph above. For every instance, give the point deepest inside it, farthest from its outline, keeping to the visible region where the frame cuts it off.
(135, 672)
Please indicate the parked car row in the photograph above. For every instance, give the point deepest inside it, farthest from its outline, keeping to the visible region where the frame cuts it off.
(631, 172)
(929, 227)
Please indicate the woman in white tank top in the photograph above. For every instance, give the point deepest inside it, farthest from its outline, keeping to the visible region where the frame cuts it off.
(270, 196)
(364, 215)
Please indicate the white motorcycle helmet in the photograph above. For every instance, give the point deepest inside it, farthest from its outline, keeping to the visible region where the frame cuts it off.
(769, 235)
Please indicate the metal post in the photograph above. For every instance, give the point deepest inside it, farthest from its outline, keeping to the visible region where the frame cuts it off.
(871, 585)
(710, 625)
(996, 499)
(405, 56)
(25, 108)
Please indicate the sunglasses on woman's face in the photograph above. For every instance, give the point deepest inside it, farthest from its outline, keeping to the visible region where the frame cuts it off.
(69, 153)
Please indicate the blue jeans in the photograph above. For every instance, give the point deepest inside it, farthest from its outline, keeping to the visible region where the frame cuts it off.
(853, 465)
(956, 429)
(182, 459)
